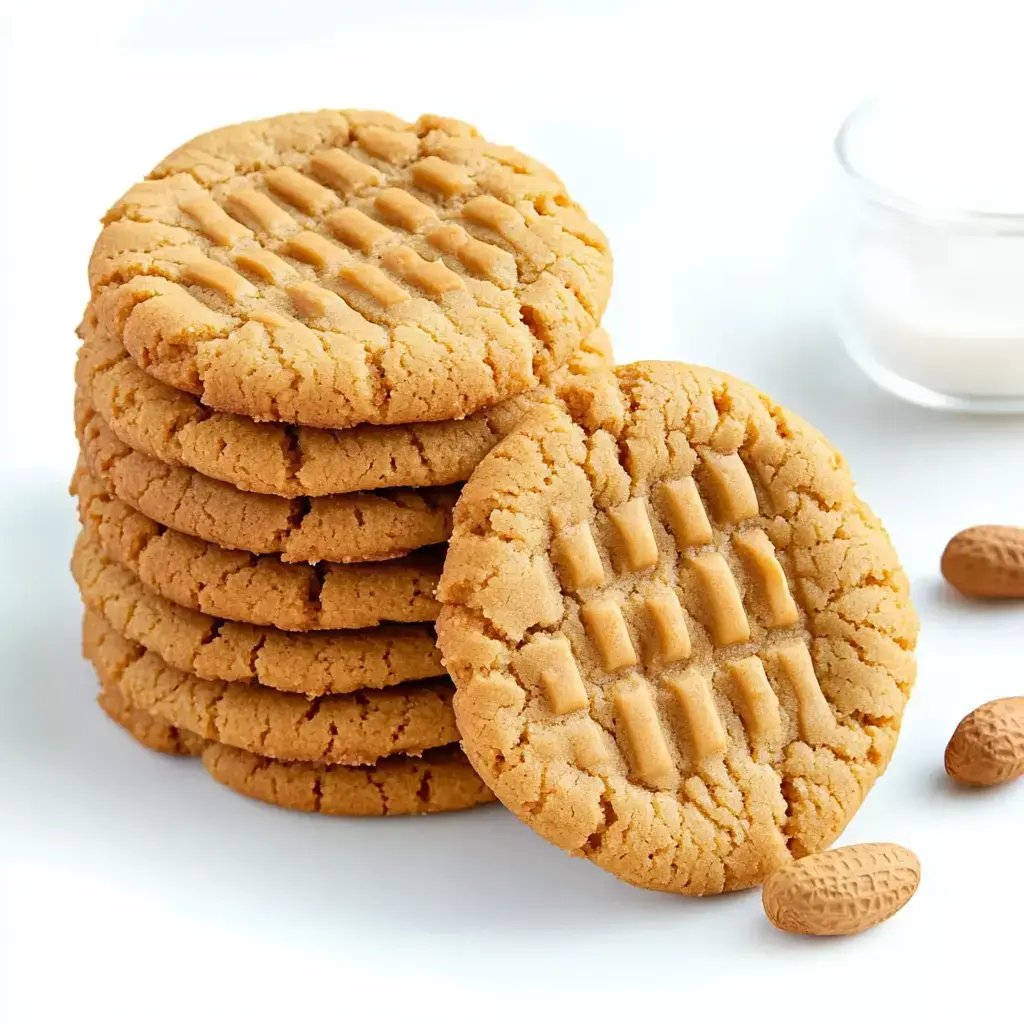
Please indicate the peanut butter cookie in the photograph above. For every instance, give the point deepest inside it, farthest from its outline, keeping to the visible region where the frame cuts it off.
(357, 728)
(682, 645)
(147, 729)
(270, 458)
(361, 527)
(258, 589)
(440, 780)
(313, 663)
(346, 267)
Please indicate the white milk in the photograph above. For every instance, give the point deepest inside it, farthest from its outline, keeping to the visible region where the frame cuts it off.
(932, 294)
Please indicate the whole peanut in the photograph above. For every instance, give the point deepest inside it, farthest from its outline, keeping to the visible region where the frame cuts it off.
(986, 561)
(988, 745)
(841, 891)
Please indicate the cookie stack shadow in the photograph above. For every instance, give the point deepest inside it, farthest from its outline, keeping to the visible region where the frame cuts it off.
(259, 593)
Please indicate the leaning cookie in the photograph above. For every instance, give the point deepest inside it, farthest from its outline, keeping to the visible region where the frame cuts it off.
(361, 527)
(682, 645)
(269, 458)
(344, 267)
(314, 664)
(357, 728)
(258, 589)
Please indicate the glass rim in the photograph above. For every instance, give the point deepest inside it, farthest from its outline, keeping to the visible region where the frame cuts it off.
(995, 221)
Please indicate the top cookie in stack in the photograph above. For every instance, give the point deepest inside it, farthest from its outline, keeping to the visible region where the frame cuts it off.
(303, 334)
(341, 268)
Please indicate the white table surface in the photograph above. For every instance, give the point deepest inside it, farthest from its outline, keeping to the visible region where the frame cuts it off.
(697, 135)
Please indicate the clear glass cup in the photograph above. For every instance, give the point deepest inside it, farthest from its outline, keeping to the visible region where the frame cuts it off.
(930, 298)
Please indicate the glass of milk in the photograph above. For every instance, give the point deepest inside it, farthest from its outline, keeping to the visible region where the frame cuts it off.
(931, 284)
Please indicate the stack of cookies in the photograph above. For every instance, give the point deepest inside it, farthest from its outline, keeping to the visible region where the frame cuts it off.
(303, 335)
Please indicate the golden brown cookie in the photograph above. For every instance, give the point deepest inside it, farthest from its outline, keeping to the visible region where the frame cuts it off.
(362, 527)
(313, 664)
(147, 729)
(357, 728)
(682, 644)
(440, 780)
(258, 589)
(268, 458)
(345, 267)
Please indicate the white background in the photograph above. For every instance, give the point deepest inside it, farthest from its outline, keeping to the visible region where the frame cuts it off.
(698, 136)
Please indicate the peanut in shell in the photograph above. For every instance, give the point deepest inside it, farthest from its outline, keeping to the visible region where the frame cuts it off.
(986, 561)
(842, 891)
(987, 747)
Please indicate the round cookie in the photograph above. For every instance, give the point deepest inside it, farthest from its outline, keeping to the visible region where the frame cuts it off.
(309, 663)
(346, 267)
(361, 527)
(357, 728)
(682, 645)
(440, 780)
(268, 458)
(258, 589)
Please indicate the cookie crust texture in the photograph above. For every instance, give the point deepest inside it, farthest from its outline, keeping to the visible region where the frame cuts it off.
(345, 267)
(356, 728)
(147, 729)
(370, 526)
(441, 780)
(175, 428)
(313, 664)
(682, 645)
(257, 589)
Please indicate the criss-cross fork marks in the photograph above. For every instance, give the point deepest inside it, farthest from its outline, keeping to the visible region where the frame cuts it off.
(700, 731)
(690, 716)
(675, 704)
(384, 248)
(634, 548)
(258, 232)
